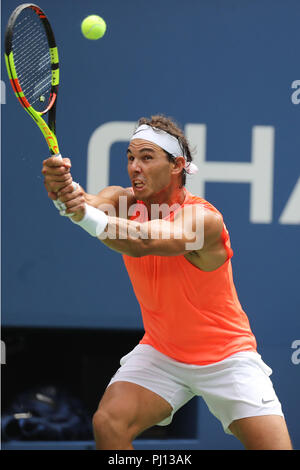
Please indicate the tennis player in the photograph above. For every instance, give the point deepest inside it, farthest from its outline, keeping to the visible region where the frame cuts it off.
(198, 340)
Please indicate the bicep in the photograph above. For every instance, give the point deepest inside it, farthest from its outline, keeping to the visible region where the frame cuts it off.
(193, 229)
(163, 238)
(177, 237)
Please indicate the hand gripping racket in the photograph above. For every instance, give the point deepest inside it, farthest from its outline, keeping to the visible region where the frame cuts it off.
(31, 59)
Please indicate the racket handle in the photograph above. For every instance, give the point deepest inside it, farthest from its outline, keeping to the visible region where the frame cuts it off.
(58, 155)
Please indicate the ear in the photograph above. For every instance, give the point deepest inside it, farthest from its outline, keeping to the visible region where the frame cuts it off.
(178, 165)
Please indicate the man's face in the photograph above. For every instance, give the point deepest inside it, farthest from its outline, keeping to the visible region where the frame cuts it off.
(149, 169)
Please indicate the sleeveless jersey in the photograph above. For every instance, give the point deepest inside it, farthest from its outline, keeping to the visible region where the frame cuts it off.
(192, 316)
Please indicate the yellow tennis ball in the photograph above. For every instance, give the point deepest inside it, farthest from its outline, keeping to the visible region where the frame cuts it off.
(93, 27)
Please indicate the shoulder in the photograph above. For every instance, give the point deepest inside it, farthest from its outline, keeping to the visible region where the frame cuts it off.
(215, 234)
(209, 220)
(112, 196)
(193, 199)
(203, 209)
(213, 226)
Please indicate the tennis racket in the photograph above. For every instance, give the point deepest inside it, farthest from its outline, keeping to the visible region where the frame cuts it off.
(32, 64)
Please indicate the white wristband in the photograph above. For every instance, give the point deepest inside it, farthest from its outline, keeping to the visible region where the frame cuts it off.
(94, 221)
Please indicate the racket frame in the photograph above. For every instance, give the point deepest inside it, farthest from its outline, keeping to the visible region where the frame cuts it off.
(49, 131)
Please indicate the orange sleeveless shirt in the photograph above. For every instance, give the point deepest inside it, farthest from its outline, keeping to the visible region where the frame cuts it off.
(190, 315)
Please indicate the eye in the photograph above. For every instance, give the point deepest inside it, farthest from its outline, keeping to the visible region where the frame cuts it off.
(148, 157)
(130, 158)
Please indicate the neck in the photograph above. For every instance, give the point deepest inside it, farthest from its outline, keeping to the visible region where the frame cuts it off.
(166, 196)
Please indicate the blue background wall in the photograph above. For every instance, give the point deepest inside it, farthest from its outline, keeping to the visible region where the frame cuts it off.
(228, 65)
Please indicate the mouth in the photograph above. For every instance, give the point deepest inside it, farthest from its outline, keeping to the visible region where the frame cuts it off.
(138, 184)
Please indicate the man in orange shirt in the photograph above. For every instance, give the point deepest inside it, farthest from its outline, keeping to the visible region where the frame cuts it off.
(177, 251)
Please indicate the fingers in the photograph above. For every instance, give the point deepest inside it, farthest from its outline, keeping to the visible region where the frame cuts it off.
(73, 199)
(59, 185)
(66, 189)
(54, 185)
(52, 196)
(56, 173)
(53, 162)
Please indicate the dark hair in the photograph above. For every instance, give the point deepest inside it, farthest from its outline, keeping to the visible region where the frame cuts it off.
(169, 125)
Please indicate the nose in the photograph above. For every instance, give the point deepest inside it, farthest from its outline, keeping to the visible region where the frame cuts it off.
(135, 166)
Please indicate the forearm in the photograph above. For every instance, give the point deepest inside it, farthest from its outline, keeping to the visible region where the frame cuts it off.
(106, 200)
(157, 237)
(126, 236)
(92, 199)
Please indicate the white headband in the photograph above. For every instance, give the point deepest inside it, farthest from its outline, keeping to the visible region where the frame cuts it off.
(164, 140)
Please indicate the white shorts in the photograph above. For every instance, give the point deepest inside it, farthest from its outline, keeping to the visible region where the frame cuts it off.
(237, 387)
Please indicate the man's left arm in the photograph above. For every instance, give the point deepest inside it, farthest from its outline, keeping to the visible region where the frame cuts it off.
(193, 229)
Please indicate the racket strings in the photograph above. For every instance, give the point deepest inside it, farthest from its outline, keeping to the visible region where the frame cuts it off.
(32, 60)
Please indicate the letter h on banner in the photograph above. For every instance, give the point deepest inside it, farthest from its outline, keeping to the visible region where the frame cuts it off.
(258, 172)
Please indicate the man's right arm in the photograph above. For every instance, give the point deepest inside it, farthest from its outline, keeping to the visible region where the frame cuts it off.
(109, 196)
(59, 184)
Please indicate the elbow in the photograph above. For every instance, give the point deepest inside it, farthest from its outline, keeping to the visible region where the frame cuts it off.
(134, 254)
(139, 249)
